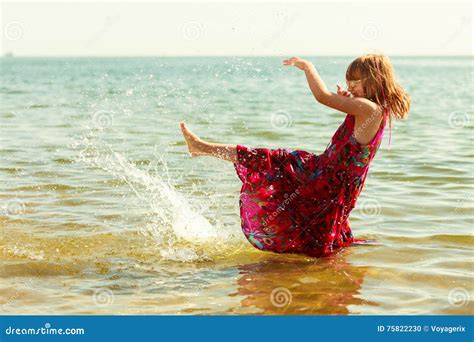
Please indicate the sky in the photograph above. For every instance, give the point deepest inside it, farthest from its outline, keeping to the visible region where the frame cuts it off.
(245, 28)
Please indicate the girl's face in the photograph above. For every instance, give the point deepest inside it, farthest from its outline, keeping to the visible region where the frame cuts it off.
(355, 87)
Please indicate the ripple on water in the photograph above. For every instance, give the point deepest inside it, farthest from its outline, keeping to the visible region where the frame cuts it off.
(64, 161)
(45, 187)
(98, 225)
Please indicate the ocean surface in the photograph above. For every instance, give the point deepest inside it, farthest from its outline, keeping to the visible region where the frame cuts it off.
(103, 211)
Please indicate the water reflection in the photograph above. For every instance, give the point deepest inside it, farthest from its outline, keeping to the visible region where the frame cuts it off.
(299, 286)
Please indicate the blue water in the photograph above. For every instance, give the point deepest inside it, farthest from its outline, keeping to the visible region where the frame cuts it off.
(100, 199)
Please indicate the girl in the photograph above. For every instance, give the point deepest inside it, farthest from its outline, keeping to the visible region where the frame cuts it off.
(298, 201)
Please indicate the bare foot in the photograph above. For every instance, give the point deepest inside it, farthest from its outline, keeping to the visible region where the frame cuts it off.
(192, 140)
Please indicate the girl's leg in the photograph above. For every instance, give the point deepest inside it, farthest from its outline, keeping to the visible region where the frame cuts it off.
(198, 147)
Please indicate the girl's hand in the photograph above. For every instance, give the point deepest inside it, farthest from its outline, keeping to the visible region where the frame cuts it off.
(300, 63)
(343, 92)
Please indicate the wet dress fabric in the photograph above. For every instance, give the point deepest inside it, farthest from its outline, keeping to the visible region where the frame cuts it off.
(294, 201)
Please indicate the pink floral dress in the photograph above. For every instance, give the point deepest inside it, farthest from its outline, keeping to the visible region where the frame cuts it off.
(298, 201)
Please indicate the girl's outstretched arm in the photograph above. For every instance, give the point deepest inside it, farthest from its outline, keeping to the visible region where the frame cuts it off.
(349, 105)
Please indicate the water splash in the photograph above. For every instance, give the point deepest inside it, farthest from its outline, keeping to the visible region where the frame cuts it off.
(178, 228)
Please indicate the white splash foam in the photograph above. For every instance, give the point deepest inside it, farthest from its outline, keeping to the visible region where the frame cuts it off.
(172, 215)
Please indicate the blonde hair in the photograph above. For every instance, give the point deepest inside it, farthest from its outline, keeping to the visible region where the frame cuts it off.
(379, 83)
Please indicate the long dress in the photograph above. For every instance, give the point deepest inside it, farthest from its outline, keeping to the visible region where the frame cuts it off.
(294, 201)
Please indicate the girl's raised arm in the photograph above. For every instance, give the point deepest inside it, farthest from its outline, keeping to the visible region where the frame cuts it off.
(350, 105)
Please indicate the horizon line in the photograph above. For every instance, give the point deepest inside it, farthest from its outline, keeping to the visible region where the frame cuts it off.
(6, 55)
